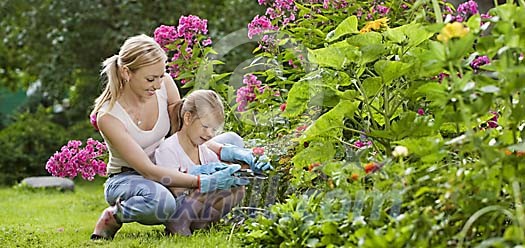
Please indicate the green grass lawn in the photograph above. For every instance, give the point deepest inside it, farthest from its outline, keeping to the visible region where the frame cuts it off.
(48, 218)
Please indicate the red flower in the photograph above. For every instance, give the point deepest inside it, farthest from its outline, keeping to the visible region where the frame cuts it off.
(282, 107)
(313, 165)
(301, 128)
(370, 167)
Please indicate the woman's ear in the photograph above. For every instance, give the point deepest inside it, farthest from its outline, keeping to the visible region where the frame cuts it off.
(126, 73)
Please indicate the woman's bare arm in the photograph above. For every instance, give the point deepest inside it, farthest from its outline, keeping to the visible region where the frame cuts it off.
(116, 134)
(171, 89)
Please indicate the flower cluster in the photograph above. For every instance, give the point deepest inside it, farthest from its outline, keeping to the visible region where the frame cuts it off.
(73, 159)
(260, 25)
(181, 42)
(246, 94)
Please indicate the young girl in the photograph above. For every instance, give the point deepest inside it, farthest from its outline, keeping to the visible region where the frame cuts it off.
(196, 120)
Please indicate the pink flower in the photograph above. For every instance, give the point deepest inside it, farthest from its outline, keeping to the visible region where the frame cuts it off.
(93, 121)
(258, 151)
(361, 144)
(420, 111)
(260, 25)
(246, 94)
(72, 159)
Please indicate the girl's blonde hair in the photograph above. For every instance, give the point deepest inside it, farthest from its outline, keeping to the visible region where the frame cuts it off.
(199, 103)
(136, 52)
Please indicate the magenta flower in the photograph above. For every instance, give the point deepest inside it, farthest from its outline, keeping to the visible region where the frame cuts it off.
(72, 160)
(420, 111)
(93, 121)
(493, 122)
(441, 76)
(165, 35)
(191, 34)
(382, 10)
(260, 25)
(361, 144)
(479, 61)
(246, 94)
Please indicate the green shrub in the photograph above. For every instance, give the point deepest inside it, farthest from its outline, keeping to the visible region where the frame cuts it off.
(27, 144)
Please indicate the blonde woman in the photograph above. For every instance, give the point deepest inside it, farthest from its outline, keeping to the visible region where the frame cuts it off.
(132, 117)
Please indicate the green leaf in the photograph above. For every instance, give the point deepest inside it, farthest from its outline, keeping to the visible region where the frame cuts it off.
(365, 39)
(347, 26)
(395, 34)
(330, 124)
(474, 23)
(434, 92)
(390, 70)
(329, 228)
(458, 48)
(316, 152)
(371, 86)
(336, 56)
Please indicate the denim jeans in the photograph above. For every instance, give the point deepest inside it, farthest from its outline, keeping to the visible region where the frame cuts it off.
(146, 201)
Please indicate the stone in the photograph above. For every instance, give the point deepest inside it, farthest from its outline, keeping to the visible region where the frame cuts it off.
(49, 182)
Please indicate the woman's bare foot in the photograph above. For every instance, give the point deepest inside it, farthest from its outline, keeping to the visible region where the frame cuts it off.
(107, 225)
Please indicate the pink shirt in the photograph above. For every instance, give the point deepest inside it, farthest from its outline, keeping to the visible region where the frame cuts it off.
(171, 155)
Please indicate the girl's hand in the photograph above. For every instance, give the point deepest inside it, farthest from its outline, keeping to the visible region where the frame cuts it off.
(207, 169)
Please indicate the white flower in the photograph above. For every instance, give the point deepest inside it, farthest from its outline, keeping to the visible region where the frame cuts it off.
(400, 151)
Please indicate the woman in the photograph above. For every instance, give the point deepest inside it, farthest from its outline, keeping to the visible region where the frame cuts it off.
(132, 117)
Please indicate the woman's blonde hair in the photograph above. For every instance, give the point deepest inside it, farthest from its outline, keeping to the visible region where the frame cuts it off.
(136, 52)
(199, 103)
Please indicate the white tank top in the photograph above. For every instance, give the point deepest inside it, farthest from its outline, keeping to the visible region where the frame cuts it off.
(148, 140)
(171, 155)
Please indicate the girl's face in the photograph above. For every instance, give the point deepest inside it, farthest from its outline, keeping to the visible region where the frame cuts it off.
(200, 130)
(146, 80)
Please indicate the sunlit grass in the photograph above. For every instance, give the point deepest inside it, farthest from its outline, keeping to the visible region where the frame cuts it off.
(49, 218)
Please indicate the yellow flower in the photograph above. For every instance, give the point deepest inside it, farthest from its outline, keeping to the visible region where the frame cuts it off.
(452, 30)
(375, 25)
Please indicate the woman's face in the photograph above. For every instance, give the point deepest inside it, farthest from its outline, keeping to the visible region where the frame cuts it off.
(146, 80)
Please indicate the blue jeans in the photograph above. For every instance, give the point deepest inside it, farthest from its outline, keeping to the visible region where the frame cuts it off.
(146, 201)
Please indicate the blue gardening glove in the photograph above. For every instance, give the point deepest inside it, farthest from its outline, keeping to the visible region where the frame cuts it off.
(207, 169)
(223, 179)
(235, 154)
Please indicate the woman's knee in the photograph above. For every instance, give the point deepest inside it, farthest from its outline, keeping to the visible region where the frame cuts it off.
(162, 205)
(151, 203)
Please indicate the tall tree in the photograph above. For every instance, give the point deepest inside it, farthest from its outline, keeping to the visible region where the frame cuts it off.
(62, 43)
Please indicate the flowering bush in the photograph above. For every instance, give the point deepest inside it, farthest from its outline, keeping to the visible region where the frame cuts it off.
(73, 159)
(185, 45)
(437, 93)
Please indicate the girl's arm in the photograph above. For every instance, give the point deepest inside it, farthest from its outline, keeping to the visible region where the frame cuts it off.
(116, 134)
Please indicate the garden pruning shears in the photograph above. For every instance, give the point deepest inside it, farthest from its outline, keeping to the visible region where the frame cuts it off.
(249, 174)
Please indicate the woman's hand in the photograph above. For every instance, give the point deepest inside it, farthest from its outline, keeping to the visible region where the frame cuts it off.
(235, 154)
(207, 169)
(223, 179)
